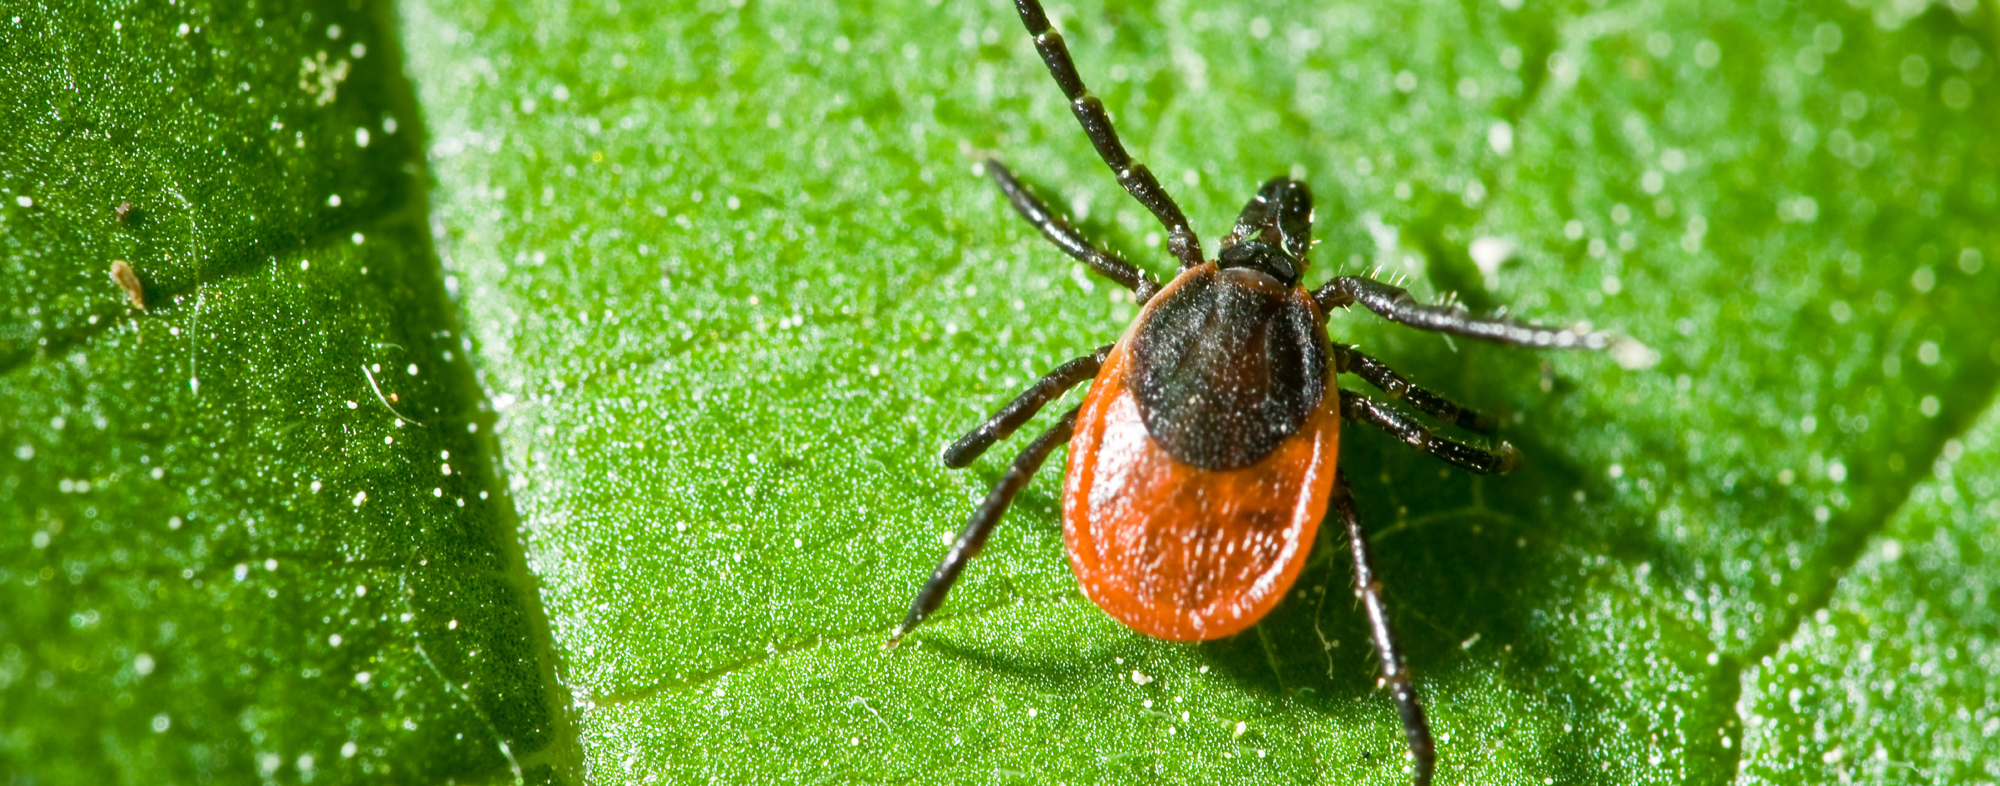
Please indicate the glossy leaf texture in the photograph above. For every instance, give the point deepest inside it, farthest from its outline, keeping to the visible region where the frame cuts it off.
(735, 281)
(728, 280)
(250, 532)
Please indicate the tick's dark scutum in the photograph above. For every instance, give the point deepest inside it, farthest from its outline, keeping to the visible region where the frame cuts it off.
(1226, 366)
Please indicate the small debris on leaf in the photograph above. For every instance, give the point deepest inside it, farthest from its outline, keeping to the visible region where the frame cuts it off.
(121, 272)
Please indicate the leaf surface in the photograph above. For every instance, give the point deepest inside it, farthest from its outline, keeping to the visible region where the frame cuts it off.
(248, 533)
(729, 279)
(735, 282)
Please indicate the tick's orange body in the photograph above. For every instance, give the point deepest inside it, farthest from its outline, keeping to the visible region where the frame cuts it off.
(1176, 551)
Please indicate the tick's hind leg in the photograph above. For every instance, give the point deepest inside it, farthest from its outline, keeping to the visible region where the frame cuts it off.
(973, 537)
(1395, 674)
(1051, 386)
(1388, 381)
(1360, 408)
(1396, 305)
(1067, 238)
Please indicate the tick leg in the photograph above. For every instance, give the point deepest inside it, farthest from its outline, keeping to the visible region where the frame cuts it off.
(1381, 376)
(1051, 386)
(1360, 408)
(1067, 238)
(981, 525)
(1395, 304)
(1137, 180)
(1395, 674)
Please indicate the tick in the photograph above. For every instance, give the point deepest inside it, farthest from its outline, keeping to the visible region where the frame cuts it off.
(1202, 458)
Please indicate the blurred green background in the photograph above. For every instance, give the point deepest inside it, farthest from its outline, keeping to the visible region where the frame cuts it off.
(552, 392)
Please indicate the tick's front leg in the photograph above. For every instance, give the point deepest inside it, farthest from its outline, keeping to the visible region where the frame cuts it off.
(1396, 305)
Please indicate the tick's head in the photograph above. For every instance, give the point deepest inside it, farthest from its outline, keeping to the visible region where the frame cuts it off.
(1273, 233)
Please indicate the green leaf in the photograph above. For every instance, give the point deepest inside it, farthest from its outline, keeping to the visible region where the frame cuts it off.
(248, 532)
(729, 281)
(734, 283)
(1899, 663)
